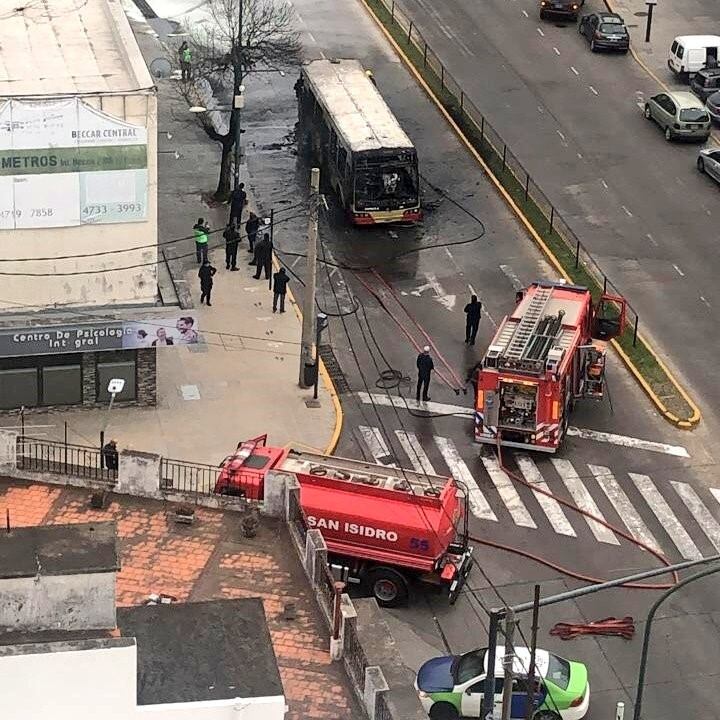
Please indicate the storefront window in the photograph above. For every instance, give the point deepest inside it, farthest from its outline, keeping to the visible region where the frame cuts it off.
(41, 380)
(116, 365)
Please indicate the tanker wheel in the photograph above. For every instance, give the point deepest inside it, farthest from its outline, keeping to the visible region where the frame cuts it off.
(443, 711)
(388, 587)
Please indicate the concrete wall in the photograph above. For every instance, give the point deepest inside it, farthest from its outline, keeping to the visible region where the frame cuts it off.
(58, 602)
(137, 285)
(65, 683)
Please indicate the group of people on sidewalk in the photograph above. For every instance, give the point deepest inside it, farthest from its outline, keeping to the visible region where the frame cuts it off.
(262, 251)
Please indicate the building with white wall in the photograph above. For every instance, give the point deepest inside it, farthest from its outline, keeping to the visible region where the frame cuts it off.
(64, 655)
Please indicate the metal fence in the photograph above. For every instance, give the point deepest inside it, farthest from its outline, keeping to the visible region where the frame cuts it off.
(548, 222)
(187, 477)
(295, 515)
(354, 655)
(62, 458)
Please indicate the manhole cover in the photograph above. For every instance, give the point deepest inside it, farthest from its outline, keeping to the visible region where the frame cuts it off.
(641, 13)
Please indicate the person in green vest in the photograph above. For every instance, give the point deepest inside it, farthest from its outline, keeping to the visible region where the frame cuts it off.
(201, 231)
(185, 55)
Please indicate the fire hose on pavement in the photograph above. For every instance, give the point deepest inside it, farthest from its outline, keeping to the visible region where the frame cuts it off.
(610, 627)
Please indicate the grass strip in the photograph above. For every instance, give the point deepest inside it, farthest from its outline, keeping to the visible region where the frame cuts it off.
(635, 348)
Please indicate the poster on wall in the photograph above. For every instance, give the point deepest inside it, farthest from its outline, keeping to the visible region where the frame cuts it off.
(93, 337)
(64, 163)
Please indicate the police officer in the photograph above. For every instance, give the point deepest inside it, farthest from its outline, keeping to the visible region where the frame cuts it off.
(280, 281)
(205, 273)
(425, 366)
(232, 238)
(473, 311)
(263, 257)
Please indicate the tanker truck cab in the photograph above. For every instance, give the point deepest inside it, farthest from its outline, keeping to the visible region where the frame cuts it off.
(384, 527)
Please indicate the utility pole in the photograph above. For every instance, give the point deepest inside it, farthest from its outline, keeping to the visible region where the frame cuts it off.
(307, 357)
(650, 4)
(239, 99)
(508, 664)
(533, 649)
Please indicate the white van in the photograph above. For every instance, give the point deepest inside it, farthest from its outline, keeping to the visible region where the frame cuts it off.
(689, 53)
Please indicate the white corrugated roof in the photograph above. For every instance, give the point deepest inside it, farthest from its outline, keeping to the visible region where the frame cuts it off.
(66, 47)
(357, 109)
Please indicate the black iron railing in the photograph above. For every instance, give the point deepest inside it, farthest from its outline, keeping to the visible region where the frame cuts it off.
(295, 515)
(62, 458)
(187, 477)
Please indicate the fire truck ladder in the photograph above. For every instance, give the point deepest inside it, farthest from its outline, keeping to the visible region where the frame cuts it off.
(525, 330)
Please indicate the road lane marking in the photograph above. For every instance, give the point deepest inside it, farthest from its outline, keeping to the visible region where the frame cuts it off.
(703, 300)
(623, 507)
(678, 270)
(699, 511)
(625, 441)
(557, 52)
(541, 33)
(627, 212)
(479, 505)
(574, 70)
(414, 450)
(605, 185)
(376, 445)
(651, 239)
(583, 500)
(550, 506)
(512, 276)
(667, 519)
(312, 39)
(412, 404)
(561, 135)
(507, 491)
(524, 12)
(593, 90)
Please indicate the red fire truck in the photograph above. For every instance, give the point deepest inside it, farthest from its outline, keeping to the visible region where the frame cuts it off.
(383, 526)
(547, 354)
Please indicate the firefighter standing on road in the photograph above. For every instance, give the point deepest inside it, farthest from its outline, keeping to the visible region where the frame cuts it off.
(425, 366)
(473, 311)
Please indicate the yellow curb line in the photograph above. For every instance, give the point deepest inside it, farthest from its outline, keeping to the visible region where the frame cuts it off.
(687, 423)
(327, 380)
(642, 64)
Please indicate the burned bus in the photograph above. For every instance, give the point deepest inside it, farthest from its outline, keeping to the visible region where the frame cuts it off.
(364, 154)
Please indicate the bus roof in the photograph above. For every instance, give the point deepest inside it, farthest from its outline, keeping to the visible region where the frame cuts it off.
(355, 106)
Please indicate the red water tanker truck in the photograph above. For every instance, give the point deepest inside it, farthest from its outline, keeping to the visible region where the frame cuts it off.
(384, 527)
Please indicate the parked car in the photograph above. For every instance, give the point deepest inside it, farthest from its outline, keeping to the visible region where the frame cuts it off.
(680, 115)
(709, 162)
(712, 105)
(452, 686)
(705, 82)
(563, 8)
(689, 53)
(605, 31)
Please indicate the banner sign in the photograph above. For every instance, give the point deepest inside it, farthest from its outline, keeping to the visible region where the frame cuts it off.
(63, 163)
(110, 335)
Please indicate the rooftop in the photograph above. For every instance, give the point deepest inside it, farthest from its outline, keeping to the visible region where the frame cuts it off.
(206, 561)
(192, 652)
(355, 105)
(58, 550)
(67, 47)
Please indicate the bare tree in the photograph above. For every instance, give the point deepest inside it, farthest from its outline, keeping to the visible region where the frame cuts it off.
(240, 37)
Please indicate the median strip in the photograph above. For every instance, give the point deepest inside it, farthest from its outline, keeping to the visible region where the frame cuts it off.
(545, 226)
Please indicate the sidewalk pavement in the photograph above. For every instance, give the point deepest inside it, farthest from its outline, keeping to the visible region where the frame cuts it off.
(670, 19)
(243, 381)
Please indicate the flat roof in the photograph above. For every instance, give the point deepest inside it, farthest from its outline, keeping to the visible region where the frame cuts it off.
(192, 652)
(357, 109)
(75, 549)
(68, 47)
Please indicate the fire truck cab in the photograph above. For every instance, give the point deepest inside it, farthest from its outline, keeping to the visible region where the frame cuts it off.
(547, 354)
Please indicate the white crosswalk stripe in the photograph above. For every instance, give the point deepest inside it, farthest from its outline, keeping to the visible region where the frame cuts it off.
(376, 445)
(479, 505)
(716, 493)
(666, 517)
(414, 450)
(508, 494)
(551, 507)
(699, 511)
(584, 500)
(623, 507)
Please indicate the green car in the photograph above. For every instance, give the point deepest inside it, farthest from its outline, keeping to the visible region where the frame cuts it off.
(452, 686)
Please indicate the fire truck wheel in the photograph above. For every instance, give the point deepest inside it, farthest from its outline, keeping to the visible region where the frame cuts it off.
(443, 711)
(388, 587)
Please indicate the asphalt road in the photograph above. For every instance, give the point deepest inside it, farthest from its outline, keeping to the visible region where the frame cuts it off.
(430, 288)
(574, 120)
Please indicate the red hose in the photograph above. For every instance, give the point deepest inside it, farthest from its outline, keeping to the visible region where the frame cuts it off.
(560, 568)
(609, 627)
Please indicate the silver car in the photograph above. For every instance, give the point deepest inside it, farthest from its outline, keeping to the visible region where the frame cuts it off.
(709, 162)
(680, 115)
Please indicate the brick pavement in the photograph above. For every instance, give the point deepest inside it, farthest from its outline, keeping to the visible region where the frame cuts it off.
(207, 560)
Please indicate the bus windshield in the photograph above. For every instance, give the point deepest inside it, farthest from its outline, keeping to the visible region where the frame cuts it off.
(387, 187)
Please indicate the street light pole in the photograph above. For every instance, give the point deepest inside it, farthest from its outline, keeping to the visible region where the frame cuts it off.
(508, 664)
(239, 100)
(648, 628)
(308, 321)
(650, 4)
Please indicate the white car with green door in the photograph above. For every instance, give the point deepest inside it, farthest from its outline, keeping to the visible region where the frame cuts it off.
(452, 686)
